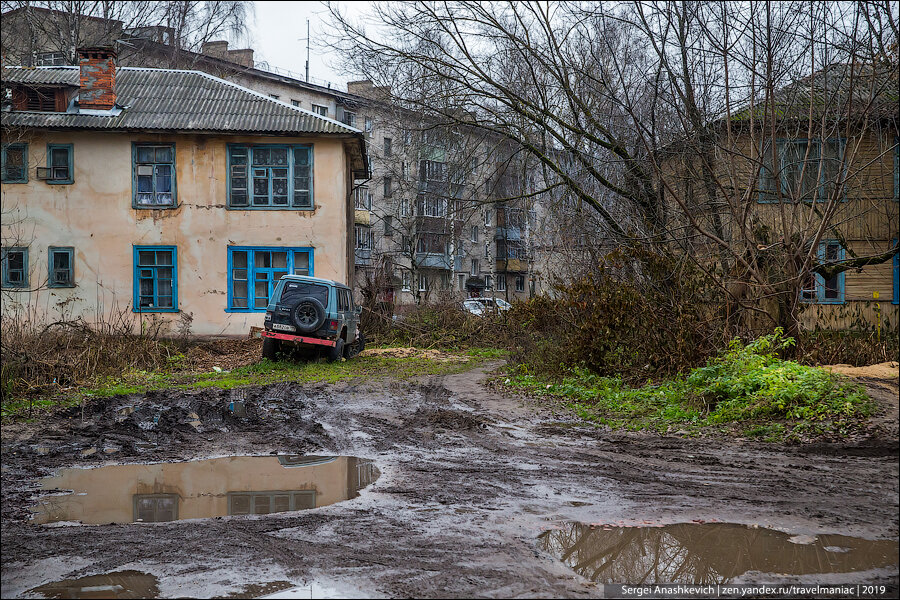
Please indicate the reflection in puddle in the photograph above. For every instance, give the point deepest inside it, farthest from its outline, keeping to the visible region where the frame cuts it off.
(707, 553)
(261, 590)
(237, 485)
(123, 584)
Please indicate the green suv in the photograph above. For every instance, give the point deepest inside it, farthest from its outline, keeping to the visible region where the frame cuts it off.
(312, 313)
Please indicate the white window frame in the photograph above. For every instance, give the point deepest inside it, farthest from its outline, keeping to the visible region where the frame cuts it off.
(434, 206)
(365, 239)
(362, 198)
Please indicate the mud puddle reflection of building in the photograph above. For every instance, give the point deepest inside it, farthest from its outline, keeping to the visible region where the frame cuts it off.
(708, 553)
(236, 485)
(121, 584)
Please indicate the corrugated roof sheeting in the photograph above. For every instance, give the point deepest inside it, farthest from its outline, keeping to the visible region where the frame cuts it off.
(43, 75)
(174, 100)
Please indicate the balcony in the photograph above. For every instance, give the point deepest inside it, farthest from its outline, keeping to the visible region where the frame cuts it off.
(427, 260)
(508, 233)
(511, 265)
(362, 257)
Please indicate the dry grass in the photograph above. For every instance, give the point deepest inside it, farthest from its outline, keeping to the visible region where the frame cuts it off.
(38, 356)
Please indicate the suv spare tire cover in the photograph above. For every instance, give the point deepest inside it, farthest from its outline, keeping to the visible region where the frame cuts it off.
(308, 315)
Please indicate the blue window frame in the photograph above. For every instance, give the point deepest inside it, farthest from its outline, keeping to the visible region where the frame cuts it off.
(807, 169)
(15, 267)
(60, 164)
(270, 177)
(15, 163)
(155, 279)
(153, 175)
(896, 298)
(819, 290)
(253, 273)
(61, 266)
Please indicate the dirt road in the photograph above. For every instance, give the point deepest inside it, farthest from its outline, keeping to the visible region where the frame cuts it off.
(469, 480)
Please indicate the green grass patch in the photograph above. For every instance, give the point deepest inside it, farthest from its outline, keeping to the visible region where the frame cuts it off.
(261, 373)
(747, 390)
(488, 353)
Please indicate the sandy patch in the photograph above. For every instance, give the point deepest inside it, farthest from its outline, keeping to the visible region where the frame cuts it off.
(885, 370)
(436, 355)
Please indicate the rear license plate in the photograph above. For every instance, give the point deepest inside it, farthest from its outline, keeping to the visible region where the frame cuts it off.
(281, 327)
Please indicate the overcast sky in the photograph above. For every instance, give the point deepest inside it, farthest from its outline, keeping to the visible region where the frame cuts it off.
(278, 35)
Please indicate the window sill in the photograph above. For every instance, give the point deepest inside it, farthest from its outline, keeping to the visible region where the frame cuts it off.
(154, 310)
(60, 182)
(14, 181)
(154, 207)
(60, 286)
(246, 310)
(264, 208)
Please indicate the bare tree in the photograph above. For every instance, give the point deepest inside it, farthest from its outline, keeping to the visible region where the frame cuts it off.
(743, 135)
(51, 31)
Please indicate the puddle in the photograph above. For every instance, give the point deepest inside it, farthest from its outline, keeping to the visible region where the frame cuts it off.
(122, 584)
(236, 485)
(707, 553)
(262, 590)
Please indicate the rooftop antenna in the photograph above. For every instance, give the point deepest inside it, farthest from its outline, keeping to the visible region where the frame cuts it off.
(307, 50)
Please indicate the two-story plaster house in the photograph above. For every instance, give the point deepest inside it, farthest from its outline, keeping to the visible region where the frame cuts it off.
(172, 194)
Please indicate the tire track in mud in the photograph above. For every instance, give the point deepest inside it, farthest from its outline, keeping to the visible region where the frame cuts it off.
(469, 479)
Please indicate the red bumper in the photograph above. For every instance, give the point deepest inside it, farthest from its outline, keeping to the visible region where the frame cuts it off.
(298, 339)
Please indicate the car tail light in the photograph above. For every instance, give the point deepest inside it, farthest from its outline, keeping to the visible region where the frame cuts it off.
(333, 325)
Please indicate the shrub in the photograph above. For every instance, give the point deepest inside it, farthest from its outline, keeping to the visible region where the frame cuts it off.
(743, 384)
(38, 357)
(438, 325)
(857, 348)
(642, 315)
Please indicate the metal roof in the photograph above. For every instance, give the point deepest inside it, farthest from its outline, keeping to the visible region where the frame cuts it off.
(172, 100)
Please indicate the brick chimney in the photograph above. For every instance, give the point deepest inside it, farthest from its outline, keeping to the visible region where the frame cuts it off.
(243, 57)
(98, 78)
(216, 48)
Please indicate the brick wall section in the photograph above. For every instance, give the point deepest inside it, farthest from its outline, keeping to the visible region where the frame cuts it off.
(98, 79)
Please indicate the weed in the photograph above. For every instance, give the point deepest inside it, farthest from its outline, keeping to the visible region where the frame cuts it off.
(778, 399)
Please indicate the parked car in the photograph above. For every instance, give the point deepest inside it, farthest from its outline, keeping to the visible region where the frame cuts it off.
(312, 313)
(483, 306)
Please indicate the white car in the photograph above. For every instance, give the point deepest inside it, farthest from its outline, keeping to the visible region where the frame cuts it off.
(483, 306)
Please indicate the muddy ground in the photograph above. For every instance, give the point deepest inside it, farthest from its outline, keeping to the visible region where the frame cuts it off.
(469, 478)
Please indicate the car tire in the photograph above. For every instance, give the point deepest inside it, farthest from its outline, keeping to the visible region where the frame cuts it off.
(271, 348)
(337, 352)
(308, 315)
(356, 347)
